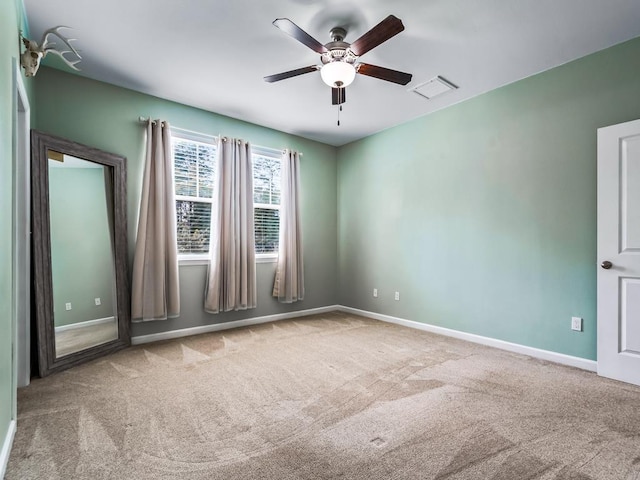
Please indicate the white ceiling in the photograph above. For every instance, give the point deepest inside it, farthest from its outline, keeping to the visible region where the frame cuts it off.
(212, 54)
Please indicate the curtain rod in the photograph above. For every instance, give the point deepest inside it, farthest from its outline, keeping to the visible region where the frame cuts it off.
(142, 119)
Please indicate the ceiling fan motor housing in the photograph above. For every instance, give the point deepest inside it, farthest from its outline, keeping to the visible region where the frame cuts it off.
(338, 49)
(338, 52)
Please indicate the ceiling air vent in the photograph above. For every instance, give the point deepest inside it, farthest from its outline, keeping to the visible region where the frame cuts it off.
(434, 87)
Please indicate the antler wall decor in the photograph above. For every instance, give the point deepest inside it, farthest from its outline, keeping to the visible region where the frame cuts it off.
(34, 53)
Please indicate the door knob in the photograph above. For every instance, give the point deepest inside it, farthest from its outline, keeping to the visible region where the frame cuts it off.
(606, 265)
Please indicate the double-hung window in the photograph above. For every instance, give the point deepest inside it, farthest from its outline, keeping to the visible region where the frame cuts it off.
(194, 176)
(266, 199)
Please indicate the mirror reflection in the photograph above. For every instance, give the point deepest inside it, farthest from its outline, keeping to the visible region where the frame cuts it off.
(82, 253)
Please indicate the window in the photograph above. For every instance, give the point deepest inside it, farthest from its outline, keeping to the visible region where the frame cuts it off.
(266, 199)
(194, 175)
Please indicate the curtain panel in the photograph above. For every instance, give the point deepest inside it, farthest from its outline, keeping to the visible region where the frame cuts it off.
(231, 278)
(289, 280)
(155, 287)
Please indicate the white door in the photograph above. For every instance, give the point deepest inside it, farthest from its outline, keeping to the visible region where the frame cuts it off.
(619, 252)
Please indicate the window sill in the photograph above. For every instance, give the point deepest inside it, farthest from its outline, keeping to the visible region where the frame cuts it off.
(193, 261)
(266, 258)
(260, 258)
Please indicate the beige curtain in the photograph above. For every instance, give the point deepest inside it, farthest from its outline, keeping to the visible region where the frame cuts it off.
(231, 279)
(289, 281)
(156, 293)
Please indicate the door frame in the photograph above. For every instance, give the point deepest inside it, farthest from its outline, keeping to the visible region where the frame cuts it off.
(20, 251)
(21, 232)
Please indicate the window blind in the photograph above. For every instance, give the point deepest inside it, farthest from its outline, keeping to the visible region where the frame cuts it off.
(194, 174)
(266, 199)
(194, 171)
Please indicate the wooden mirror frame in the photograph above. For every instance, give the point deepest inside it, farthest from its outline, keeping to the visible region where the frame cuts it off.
(41, 241)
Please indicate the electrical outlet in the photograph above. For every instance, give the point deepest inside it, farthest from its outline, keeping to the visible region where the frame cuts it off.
(98, 302)
(576, 324)
(67, 306)
(375, 292)
(397, 296)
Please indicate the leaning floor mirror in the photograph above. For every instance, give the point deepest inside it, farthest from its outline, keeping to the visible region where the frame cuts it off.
(79, 237)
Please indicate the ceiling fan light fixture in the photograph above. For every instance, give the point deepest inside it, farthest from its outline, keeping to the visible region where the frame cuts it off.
(338, 74)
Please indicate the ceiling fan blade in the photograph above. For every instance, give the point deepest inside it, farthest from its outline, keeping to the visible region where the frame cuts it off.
(290, 28)
(382, 32)
(384, 73)
(291, 73)
(338, 95)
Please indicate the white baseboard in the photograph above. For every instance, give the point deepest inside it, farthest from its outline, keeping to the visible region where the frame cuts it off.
(561, 358)
(216, 327)
(88, 323)
(6, 448)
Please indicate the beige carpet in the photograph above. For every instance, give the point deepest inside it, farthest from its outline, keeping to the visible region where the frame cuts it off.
(325, 397)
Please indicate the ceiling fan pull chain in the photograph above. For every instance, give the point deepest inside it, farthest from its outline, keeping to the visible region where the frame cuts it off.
(339, 110)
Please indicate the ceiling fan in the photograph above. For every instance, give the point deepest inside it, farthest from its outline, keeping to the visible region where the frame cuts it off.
(340, 59)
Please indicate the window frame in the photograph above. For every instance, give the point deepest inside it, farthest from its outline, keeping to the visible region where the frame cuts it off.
(188, 135)
(275, 154)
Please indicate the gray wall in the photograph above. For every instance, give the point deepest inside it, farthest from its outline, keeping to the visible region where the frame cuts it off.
(106, 117)
(483, 215)
(81, 257)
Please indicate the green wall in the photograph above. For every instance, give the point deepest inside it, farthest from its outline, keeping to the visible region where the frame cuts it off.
(483, 215)
(106, 117)
(11, 21)
(81, 257)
